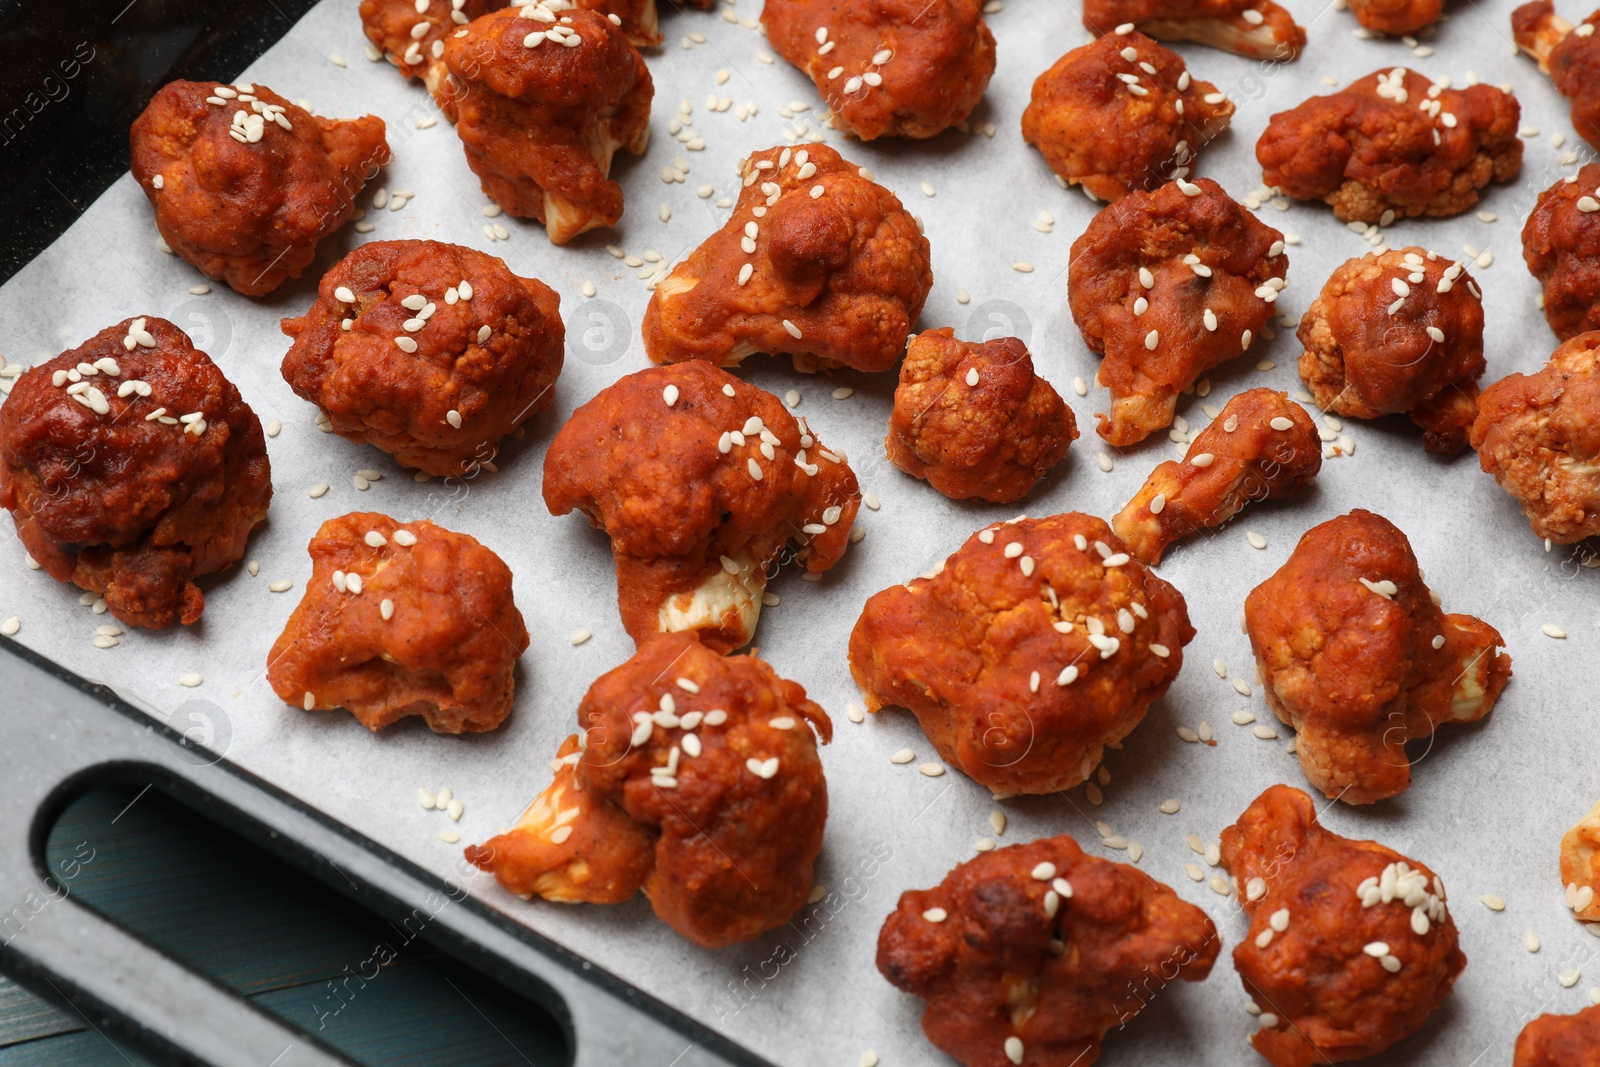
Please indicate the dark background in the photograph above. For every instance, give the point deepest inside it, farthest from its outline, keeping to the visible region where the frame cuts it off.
(64, 120)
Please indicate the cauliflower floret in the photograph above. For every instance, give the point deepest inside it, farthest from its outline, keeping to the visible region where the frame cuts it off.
(974, 419)
(540, 117)
(1261, 446)
(402, 619)
(1561, 246)
(1396, 17)
(1259, 29)
(888, 68)
(1539, 437)
(1032, 953)
(1169, 284)
(817, 260)
(131, 467)
(1560, 1040)
(1122, 113)
(696, 779)
(1355, 654)
(1351, 945)
(244, 182)
(1395, 332)
(702, 481)
(483, 352)
(1393, 145)
(1038, 644)
(1570, 55)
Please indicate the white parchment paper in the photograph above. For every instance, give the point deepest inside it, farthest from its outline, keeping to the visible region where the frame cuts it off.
(1489, 802)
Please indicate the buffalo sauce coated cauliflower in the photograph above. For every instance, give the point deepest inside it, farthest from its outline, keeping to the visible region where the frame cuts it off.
(402, 619)
(1569, 55)
(131, 466)
(818, 261)
(543, 96)
(1399, 331)
(1393, 145)
(431, 352)
(1030, 954)
(1036, 645)
(1122, 113)
(701, 481)
(695, 779)
(1561, 246)
(1580, 866)
(1355, 654)
(1539, 436)
(1261, 446)
(974, 419)
(1168, 284)
(245, 183)
(1560, 1041)
(1396, 17)
(1351, 945)
(1259, 29)
(888, 68)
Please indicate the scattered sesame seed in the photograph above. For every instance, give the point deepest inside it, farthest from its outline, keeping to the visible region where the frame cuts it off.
(1493, 902)
(1530, 941)
(1550, 629)
(932, 770)
(11, 626)
(1256, 540)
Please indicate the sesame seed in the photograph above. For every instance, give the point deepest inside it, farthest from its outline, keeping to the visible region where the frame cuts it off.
(1376, 949)
(1013, 1049)
(1152, 339)
(792, 329)
(1550, 629)
(931, 770)
(1256, 540)
(309, 701)
(670, 395)
(316, 491)
(1384, 588)
(453, 417)
(1282, 423)
(1022, 266)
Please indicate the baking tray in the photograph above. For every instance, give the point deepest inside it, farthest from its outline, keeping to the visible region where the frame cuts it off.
(1489, 801)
